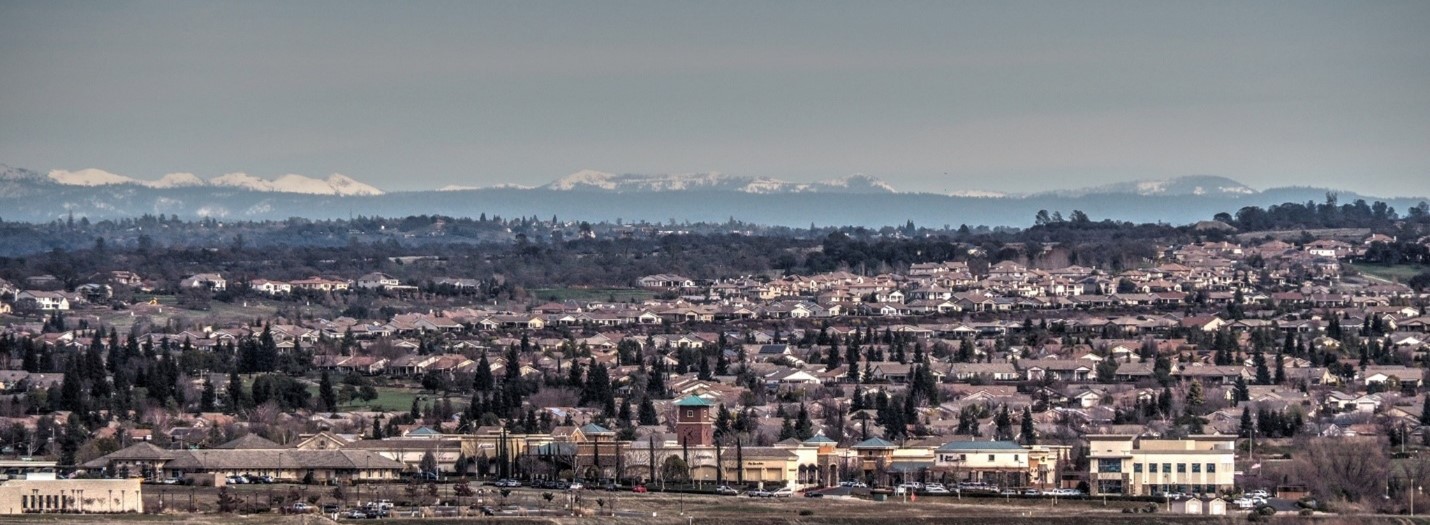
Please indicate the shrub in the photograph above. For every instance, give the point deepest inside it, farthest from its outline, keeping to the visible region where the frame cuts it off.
(1307, 512)
(806, 512)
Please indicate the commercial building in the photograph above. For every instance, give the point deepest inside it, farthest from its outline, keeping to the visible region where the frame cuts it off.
(1128, 465)
(47, 494)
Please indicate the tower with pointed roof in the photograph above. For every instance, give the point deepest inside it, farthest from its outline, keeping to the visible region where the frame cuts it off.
(693, 424)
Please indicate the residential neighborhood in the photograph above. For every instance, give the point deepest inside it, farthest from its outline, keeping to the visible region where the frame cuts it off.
(1159, 380)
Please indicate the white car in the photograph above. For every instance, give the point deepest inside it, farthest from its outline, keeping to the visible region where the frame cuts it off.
(576, 485)
(1257, 494)
(931, 489)
(782, 492)
(1244, 503)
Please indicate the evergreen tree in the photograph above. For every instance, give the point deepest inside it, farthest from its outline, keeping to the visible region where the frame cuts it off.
(1195, 398)
(834, 359)
(1263, 375)
(1030, 433)
(482, 380)
(237, 397)
(1425, 411)
(648, 415)
(786, 428)
(1003, 425)
(803, 426)
(208, 398)
(1246, 424)
(326, 395)
(968, 421)
(1280, 377)
(722, 364)
(704, 372)
(1240, 391)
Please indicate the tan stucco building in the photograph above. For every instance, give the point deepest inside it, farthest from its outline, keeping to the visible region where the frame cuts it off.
(23, 496)
(1123, 464)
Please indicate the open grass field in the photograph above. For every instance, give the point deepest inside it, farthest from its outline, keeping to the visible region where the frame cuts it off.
(592, 294)
(1398, 273)
(390, 398)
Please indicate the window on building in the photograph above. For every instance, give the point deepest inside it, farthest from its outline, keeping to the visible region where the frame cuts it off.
(1181, 468)
(1152, 467)
(1137, 468)
(1109, 465)
(1196, 468)
(990, 458)
(963, 457)
(1211, 467)
(1166, 468)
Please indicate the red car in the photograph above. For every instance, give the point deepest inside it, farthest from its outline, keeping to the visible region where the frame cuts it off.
(639, 489)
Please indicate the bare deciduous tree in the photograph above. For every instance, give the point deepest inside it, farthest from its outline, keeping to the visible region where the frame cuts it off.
(1343, 469)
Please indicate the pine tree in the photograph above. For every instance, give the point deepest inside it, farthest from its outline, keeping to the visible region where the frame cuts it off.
(648, 415)
(704, 372)
(803, 426)
(1030, 433)
(237, 397)
(1194, 397)
(1280, 376)
(326, 395)
(483, 381)
(1003, 425)
(1425, 411)
(1246, 424)
(833, 361)
(1240, 391)
(1263, 375)
(209, 398)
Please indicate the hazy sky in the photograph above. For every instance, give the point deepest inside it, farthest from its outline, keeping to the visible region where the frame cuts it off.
(931, 96)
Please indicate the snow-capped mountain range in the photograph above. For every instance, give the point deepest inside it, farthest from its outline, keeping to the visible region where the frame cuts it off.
(1185, 185)
(336, 184)
(592, 180)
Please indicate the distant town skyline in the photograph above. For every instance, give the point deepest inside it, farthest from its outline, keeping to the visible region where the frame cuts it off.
(932, 97)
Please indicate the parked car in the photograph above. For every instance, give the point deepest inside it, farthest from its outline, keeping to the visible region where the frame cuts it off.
(782, 492)
(300, 508)
(936, 489)
(854, 484)
(725, 490)
(331, 508)
(171, 481)
(639, 489)
(1032, 492)
(357, 514)
(757, 493)
(575, 485)
(236, 480)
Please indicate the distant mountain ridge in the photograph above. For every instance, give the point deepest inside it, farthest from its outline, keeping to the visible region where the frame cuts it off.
(592, 180)
(335, 184)
(1185, 185)
(26, 195)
